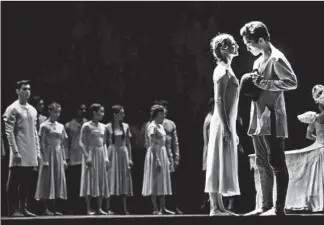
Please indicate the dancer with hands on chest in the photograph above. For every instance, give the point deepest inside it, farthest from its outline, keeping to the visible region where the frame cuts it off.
(272, 76)
(95, 162)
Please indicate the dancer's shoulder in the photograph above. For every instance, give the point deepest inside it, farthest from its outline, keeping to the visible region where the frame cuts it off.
(219, 73)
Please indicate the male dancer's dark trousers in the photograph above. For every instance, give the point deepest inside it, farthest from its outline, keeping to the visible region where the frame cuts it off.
(19, 181)
(75, 204)
(174, 185)
(270, 160)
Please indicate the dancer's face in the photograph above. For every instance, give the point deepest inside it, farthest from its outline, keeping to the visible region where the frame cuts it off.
(82, 110)
(40, 106)
(24, 92)
(100, 113)
(160, 117)
(232, 49)
(252, 46)
(55, 113)
(120, 116)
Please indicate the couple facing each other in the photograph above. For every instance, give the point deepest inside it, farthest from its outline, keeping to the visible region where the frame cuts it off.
(272, 74)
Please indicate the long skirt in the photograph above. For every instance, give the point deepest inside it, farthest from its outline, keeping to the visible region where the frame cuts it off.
(156, 181)
(94, 179)
(51, 183)
(119, 173)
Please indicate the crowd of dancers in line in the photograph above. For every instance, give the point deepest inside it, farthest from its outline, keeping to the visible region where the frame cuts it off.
(101, 155)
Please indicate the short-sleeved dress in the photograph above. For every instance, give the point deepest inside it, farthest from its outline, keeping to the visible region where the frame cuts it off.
(119, 173)
(222, 157)
(156, 181)
(94, 179)
(51, 182)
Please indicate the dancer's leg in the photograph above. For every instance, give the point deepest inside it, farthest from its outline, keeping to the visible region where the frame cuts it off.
(214, 206)
(99, 207)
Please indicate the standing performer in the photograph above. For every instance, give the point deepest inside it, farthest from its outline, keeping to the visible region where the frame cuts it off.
(268, 123)
(74, 159)
(157, 181)
(4, 170)
(172, 146)
(222, 155)
(20, 122)
(206, 129)
(95, 162)
(51, 184)
(38, 103)
(120, 156)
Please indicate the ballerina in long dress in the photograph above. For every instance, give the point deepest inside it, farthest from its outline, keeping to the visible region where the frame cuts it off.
(222, 156)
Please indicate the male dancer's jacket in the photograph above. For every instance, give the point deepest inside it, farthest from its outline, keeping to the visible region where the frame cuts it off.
(172, 143)
(276, 76)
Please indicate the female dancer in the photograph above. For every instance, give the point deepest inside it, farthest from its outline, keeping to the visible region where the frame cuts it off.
(222, 156)
(206, 127)
(157, 181)
(306, 165)
(95, 162)
(120, 156)
(51, 184)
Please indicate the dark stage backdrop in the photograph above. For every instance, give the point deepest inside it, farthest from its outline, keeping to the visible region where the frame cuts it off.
(133, 53)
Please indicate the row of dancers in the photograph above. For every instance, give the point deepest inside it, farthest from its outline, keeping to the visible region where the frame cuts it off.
(101, 155)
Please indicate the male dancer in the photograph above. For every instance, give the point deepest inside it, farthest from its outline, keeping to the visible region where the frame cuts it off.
(172, 145)
(268, 123)
(74, 159)
(20, 123)
(38, 103)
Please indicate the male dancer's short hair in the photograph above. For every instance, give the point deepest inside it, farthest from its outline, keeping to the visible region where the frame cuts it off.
(255, 30)
(164, 103)
(20, 83)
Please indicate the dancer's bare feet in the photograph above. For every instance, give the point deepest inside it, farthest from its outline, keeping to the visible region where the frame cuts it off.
(166, 211)
(47, 212)
(229, 213)
(157, 212)
(58, 214)
(215, 213)
(101, 212)
(90, 213)
(256, 212)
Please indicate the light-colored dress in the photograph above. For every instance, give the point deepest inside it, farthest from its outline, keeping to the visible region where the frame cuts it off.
(222, 157)
(206, 129)
(119, 174)
(306, 173)
(156, 180)
(51, 182)
(94, 179)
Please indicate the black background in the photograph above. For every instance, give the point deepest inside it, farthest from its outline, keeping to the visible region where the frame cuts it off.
(143, 62)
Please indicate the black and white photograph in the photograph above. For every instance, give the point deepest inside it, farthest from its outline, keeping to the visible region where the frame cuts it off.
(162, 112)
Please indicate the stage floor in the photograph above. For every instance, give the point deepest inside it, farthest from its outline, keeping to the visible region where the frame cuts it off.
(165, 220)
